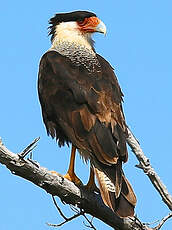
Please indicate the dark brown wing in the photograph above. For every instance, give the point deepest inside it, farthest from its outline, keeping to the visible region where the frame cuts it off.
(89, 104)
(85, 109)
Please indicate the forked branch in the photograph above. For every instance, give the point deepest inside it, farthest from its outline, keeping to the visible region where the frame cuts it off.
(145, 165)
(56, 185)
(163, 221)
(66, 220)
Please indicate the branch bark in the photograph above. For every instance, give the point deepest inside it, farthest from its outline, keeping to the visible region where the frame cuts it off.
(145, 165)
(57, 185)
(91, 203)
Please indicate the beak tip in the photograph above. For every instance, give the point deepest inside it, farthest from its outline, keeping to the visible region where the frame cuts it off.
(101, 28)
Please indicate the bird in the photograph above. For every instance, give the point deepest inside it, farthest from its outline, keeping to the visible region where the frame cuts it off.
(81, 103)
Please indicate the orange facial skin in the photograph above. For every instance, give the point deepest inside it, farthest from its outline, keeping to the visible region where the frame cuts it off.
(88, 25)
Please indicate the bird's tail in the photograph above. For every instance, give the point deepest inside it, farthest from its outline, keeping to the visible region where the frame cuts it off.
(118, 195)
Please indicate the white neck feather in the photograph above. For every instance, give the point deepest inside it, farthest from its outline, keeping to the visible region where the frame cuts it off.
(69, 32)
(70, 42)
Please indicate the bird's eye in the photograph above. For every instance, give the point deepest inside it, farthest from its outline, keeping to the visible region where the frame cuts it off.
(82, 22)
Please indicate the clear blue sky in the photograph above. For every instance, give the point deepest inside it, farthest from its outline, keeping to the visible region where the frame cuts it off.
(138, 45)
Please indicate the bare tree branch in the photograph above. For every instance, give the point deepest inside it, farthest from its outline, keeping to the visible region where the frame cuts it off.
(57, 185)
(29, 148)
(91, 203)
(59, 210)
(78, 213)
(90, 222)
(144, 164)
(64, 217)
(163, 221)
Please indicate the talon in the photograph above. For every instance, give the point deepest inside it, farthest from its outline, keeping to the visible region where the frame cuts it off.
(73, 178)
(91, 185)
(70, 175)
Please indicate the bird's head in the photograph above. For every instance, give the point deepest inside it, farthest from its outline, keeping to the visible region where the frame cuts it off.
(75, 25)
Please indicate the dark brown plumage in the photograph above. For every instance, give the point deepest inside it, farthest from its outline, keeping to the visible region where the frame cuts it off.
(81, 104)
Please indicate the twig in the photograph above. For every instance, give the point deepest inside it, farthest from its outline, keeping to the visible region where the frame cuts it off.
(74, 209)
(64, 217)
(29, 148)
(152, 223)
(144, 164)
(66, 220)
(163, 221)
(78, 213)
(138, 224)
(90, 222)
(59, 210)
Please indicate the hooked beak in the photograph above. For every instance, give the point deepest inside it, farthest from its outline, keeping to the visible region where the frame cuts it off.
(101, 28)
(91, 25)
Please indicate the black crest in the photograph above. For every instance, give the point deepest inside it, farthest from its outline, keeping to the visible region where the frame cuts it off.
(67, 17)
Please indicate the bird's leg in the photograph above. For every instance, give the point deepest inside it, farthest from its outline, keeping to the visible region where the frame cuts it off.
(91, 185)
(70, 175)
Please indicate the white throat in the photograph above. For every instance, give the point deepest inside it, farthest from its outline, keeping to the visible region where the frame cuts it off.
(69, 32)
(78, 47)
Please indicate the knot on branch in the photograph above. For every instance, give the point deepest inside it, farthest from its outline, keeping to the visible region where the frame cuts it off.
(146, 168)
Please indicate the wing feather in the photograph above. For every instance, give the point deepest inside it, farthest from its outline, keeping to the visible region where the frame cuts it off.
(86, 110)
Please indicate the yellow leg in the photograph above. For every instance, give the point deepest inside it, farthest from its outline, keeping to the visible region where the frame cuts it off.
(70, 175)
(91, 185)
